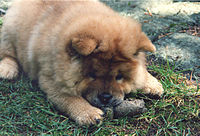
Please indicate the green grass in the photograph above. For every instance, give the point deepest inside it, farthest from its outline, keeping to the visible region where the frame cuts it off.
(24, 109)
(1, 21)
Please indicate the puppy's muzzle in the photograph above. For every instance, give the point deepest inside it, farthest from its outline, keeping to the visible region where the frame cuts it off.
(105, 98)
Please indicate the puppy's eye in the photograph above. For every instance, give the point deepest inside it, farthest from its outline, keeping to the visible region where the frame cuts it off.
(119, 77)
(92, 75)
(135, 54)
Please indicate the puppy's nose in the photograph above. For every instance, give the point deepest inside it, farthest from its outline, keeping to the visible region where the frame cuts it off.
(105, 98)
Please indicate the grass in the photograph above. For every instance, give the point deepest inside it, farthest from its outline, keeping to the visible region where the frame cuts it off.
(24, 110)
(1, 21)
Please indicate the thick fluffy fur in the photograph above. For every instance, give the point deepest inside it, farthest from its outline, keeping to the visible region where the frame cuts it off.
(77, 50)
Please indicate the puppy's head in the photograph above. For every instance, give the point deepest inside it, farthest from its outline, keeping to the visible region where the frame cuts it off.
(113, 59)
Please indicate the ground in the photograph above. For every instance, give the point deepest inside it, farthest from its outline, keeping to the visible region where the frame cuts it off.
(174, 29)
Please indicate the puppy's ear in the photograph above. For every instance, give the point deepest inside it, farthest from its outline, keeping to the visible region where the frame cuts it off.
(145, 44)
(84, 46)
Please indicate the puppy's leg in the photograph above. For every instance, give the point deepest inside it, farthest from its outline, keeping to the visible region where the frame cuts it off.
(152, 86)
(75, 106)
(78, 109)
(8, 68)
(8, 64)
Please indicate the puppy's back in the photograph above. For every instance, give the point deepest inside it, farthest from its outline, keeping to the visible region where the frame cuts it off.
(30, 24)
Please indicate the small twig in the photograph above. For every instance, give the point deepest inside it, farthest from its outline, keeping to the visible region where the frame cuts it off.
(191, 76)
(163, 35)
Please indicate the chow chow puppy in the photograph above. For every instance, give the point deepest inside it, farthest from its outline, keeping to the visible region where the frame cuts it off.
(83, 54)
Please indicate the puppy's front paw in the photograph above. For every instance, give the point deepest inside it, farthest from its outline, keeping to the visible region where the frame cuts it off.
(92, 116)
(8, 68)
(154, 88)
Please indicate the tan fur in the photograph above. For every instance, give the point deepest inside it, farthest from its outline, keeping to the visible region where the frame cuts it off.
(8, 68)
(76, 50)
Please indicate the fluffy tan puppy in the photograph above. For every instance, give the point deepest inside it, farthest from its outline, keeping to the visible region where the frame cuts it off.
(83, 54)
